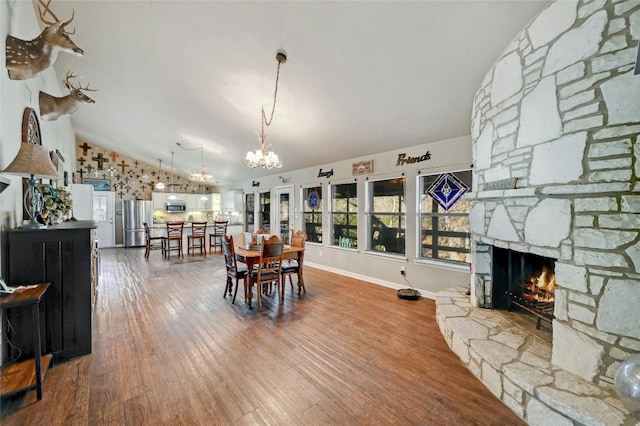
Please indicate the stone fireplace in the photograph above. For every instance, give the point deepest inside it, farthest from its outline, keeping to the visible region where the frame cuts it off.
(556, 150)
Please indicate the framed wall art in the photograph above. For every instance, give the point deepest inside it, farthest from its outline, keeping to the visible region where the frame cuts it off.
(98, 184)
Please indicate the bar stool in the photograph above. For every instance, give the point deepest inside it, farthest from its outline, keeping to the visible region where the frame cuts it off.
(215, 237)
(197, 238)
(153, 243)
(174, 238)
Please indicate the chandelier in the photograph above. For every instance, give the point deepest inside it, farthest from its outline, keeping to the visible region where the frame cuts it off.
(262, 157)
(160, 184)
(202, 176)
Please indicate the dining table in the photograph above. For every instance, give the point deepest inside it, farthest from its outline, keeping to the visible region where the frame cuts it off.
(251, 257)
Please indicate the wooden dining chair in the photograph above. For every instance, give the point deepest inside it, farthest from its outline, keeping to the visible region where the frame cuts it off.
(152, 243)
(292, 266)
(197, 238)
(234, 271)
(269, 268)
(215, 237)
(174, 238)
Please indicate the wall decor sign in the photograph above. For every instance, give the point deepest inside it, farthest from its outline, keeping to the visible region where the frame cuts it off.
(98, 184)
(509, 183)
(404, 159)
(313, 200)
(447, 190)
(326, 174)
(362, 168)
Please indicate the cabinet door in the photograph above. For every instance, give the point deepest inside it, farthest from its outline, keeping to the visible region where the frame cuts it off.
(192, 202)
(159, 199)
(62, 257)
(215, 202)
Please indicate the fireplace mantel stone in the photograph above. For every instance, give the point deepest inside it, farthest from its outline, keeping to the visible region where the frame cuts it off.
(516, 367)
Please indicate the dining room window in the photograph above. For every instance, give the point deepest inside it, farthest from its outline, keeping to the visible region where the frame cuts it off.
(387, 215)
(312, 212)
(444, 217)
(344, 215)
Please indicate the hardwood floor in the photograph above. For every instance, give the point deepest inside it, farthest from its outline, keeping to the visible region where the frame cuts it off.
(169, 349)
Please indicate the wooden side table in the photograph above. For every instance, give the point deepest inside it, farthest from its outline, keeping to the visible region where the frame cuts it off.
(22, 376)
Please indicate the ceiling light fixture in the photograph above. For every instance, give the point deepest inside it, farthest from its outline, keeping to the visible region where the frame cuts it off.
(201, 176)
(261, 157)
(160, 184)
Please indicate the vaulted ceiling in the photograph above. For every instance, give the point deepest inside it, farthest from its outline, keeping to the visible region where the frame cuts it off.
(361, 77)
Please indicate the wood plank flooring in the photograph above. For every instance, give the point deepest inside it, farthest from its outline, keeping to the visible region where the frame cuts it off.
(169, 349)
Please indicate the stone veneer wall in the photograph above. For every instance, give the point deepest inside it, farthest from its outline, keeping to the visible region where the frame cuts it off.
(560, 111)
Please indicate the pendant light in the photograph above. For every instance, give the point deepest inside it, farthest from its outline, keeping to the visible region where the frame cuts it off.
(160, 185)
(172, 196)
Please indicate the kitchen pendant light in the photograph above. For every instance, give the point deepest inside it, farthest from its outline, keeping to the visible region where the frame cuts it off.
(160, 185)
(172, 196)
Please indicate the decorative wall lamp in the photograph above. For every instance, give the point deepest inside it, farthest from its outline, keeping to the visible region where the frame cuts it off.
(262, 157)
(32, 161)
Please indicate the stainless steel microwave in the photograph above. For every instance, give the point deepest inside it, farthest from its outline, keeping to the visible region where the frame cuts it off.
(176, 207)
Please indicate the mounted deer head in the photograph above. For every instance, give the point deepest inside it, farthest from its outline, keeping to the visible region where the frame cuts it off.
(52, 107)
(27, 58)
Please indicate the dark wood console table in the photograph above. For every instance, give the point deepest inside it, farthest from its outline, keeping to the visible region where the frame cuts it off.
(22, 376)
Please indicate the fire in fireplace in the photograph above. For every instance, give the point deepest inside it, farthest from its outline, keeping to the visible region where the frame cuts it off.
(524, 281)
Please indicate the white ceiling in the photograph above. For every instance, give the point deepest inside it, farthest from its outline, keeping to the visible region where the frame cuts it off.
(362, 77)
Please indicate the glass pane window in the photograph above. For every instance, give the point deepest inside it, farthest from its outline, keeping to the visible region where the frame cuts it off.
(265, 212)
(312, 213)
(344, 215)
(444, 234)
(387, 220)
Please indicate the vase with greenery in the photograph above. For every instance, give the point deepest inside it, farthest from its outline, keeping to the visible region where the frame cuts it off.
(56, 203)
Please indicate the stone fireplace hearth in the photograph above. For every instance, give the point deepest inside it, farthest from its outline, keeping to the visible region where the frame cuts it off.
(559, 115)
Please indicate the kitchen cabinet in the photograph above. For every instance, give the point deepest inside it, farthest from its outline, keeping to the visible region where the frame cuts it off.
(231, 201)
(66, 256)
(215, 202)
(158, 200)
(193, 202)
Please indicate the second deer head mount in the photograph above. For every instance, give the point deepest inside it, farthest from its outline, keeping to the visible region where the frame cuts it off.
(52, 107)
(26, 58)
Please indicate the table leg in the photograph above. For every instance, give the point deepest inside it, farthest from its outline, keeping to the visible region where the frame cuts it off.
(37, 349)
(300, 274)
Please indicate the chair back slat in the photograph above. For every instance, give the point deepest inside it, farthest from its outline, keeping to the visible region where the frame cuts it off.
(198, 229)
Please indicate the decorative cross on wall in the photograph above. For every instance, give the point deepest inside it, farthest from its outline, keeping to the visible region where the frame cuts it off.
(113, 156)
(89, 169)
(80, 172)
(120, 194)
(122, 165)
(136, 163)
(101, 160)
(85, 148)
(81, 160)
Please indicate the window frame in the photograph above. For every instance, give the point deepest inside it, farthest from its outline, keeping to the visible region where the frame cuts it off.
(447, 263)
(319, 212)
(334, 241)
(401, 215)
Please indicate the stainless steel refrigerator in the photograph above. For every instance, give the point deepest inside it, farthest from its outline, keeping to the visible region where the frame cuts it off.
(134, 214)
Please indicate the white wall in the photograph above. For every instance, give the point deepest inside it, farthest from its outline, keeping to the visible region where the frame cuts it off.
(19, 19)
(448, 155)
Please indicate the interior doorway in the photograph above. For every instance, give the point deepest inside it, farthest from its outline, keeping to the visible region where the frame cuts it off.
(104, 206)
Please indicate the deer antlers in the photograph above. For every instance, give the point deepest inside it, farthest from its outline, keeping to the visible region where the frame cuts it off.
(71, 87)
(46, 11)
